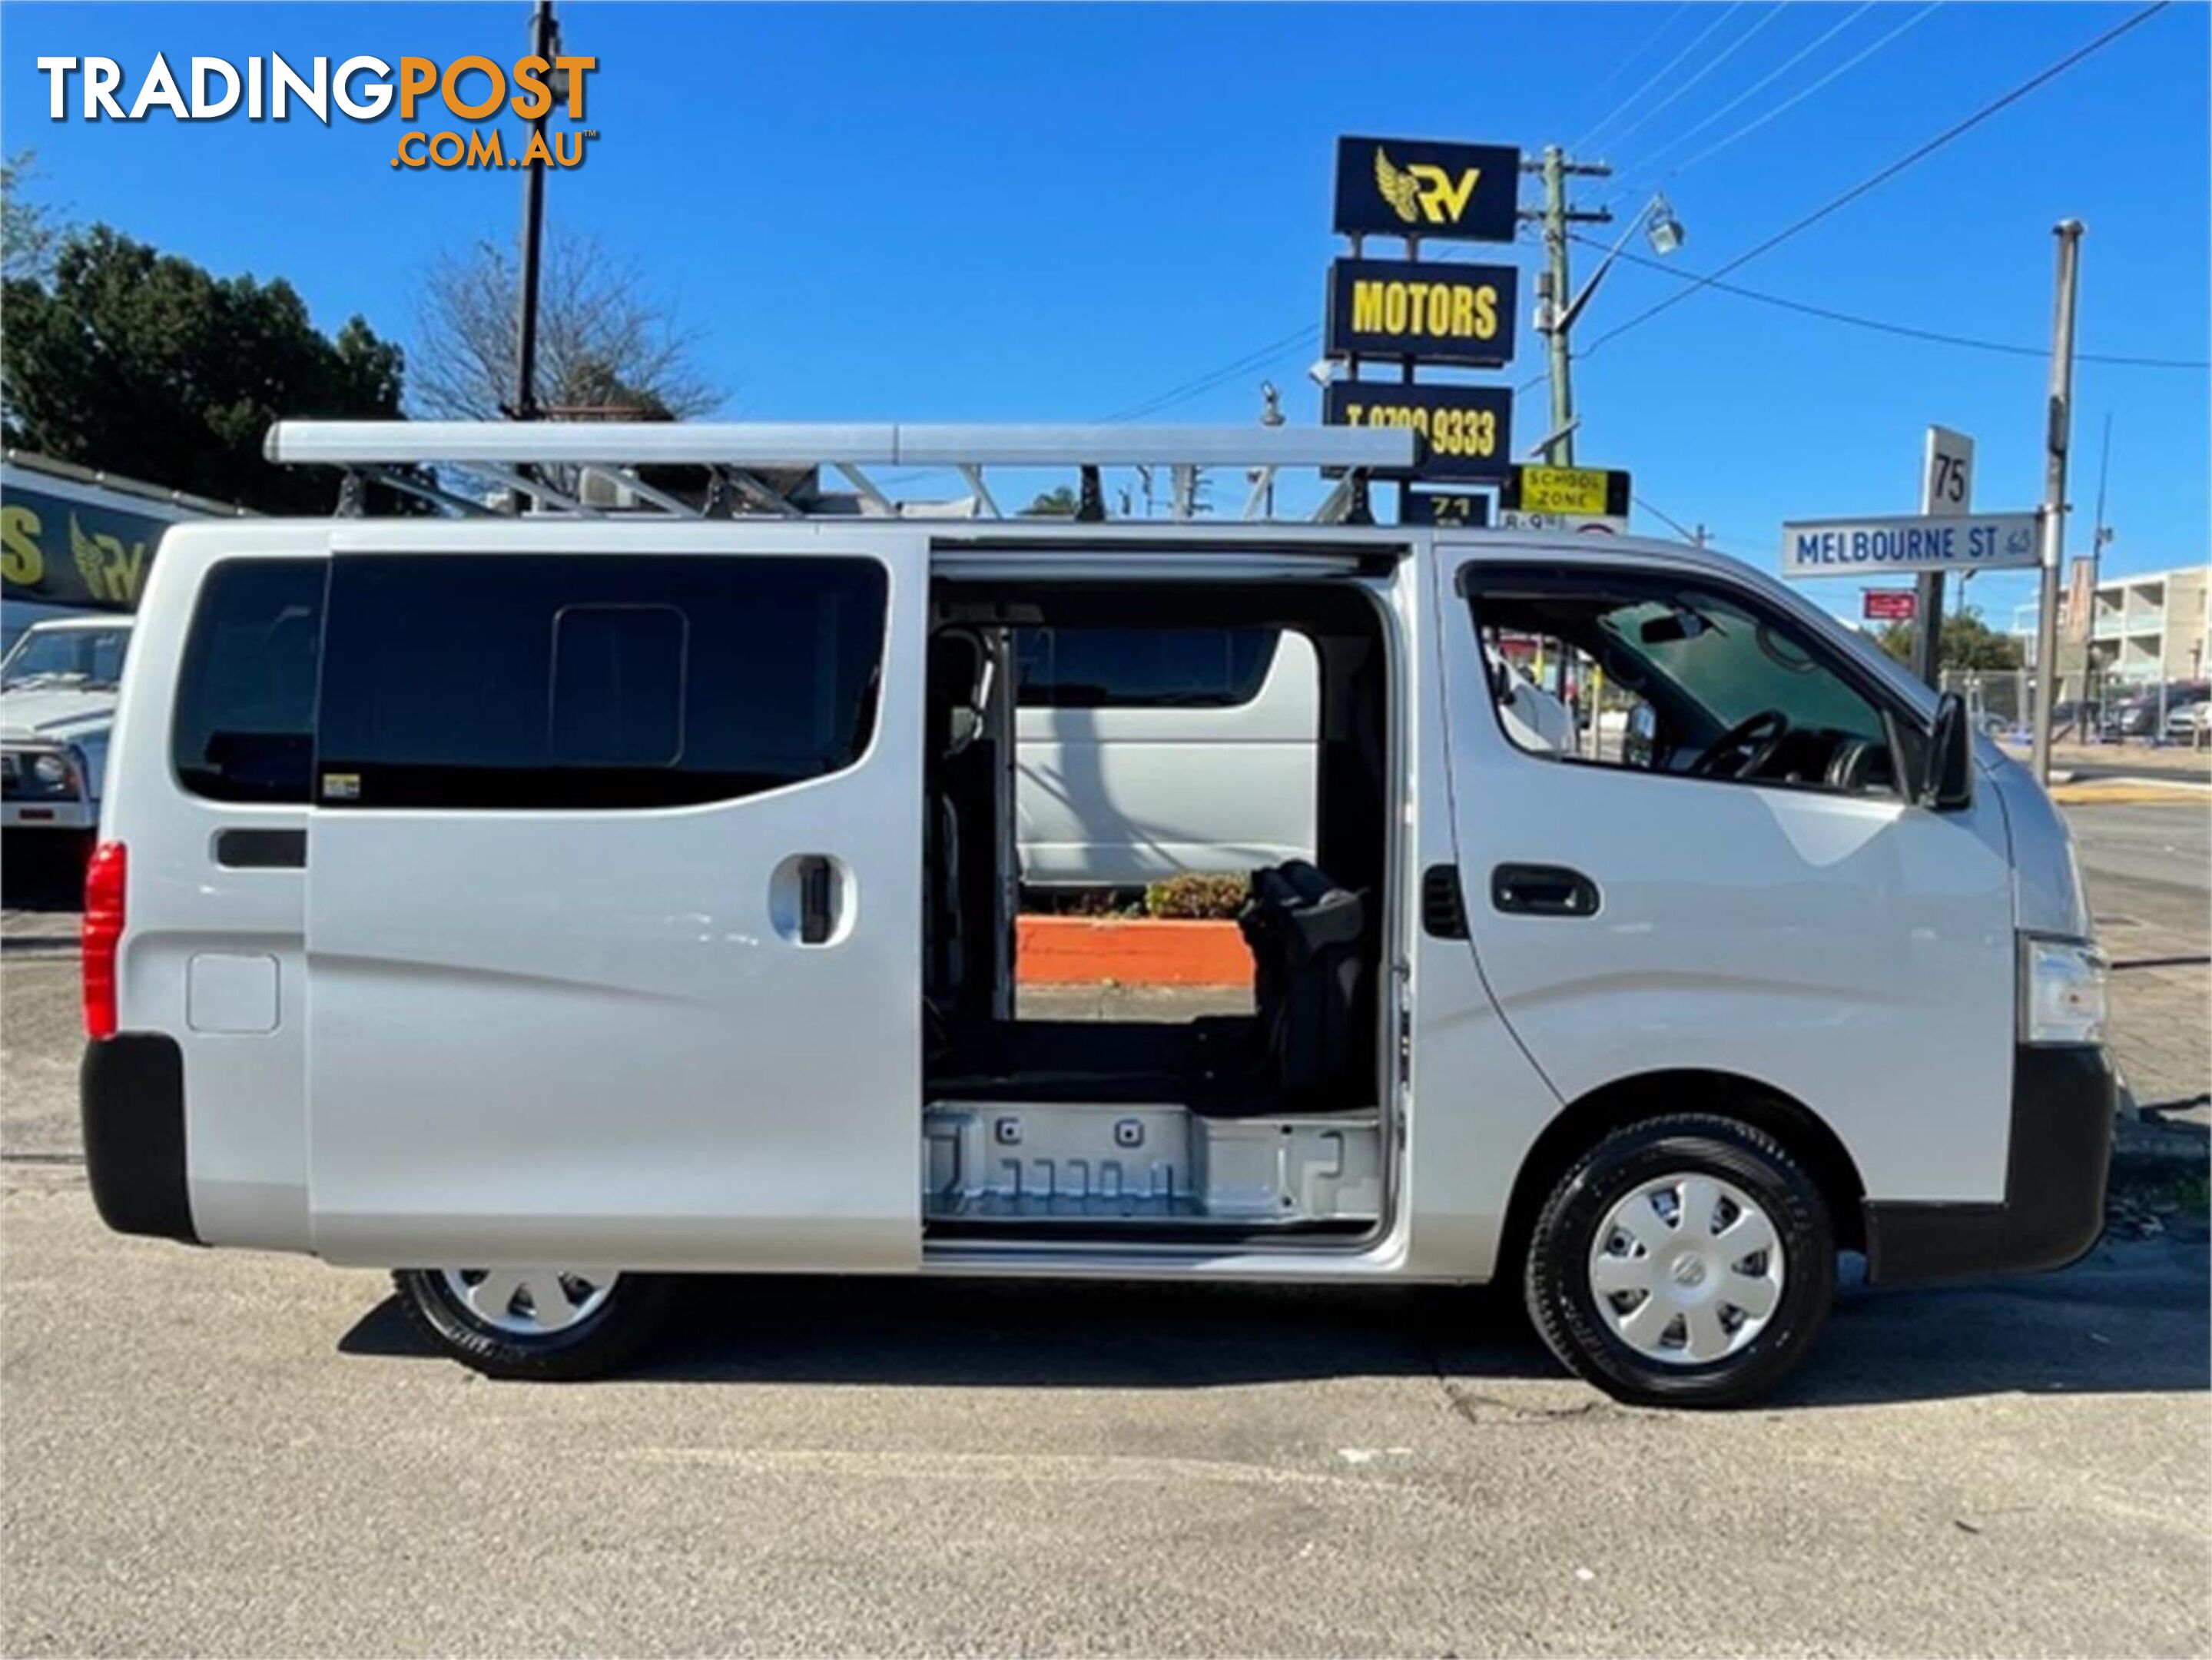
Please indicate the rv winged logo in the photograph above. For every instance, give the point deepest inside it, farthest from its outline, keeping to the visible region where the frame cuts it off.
(1398, 188)
(1425, 190)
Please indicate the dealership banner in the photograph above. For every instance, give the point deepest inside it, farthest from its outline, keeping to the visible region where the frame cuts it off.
(1469, 429)
(1432, 312)
(1418, 187)
(57, 551)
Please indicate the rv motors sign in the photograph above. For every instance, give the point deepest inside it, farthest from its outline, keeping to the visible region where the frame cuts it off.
(1417, 187)
(1427, 313)
(470, 88)
(1469, 429)
(63, 552)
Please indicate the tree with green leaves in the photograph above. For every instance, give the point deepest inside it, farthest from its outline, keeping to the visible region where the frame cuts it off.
(143, 363)
(1058, 503)
(1966, 642)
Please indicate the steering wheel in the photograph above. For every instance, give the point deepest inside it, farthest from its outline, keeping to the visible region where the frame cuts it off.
(1758, 736)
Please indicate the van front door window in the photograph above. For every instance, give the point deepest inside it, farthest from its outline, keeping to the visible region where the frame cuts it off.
(1684, 678)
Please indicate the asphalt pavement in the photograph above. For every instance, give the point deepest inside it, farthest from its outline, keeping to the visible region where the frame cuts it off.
(2163, 847)
(223, 1452)
(220, 1452)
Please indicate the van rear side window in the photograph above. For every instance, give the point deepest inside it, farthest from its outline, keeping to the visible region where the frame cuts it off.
(487, 682)
(245, 694)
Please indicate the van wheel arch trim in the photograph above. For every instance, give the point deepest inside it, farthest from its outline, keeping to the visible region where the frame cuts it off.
(1615, 1104)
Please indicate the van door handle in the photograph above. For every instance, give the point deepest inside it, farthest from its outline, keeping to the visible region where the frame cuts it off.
(1542, 891)
(817, 900)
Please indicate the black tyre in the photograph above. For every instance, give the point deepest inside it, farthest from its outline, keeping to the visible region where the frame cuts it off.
(536, 1325)
(1686, 1260)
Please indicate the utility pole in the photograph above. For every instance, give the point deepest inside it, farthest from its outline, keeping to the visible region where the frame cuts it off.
(1554, 292)
(543, 34)
(2091, 693)
(2058, 433)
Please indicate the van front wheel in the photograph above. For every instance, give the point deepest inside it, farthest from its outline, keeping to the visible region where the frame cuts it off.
(538, 1324)
(1686, 1260)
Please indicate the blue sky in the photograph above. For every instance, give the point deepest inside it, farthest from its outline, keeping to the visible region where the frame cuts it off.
(1057, 212)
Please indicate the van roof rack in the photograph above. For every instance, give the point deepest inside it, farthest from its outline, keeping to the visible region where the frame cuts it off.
(590, 467)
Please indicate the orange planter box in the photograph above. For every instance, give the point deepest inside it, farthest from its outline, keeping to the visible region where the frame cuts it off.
(1085, 951)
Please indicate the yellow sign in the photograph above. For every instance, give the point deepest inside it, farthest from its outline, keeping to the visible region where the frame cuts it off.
(1425, 190)
(103, 560)
(1563, 490)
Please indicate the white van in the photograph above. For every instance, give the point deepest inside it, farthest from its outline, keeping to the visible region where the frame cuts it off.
(546, 908)
(1150, 752)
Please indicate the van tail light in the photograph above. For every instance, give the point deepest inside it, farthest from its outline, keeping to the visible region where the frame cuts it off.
(103, 886)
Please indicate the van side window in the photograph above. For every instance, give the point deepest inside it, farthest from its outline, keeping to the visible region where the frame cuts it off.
(246, 693)
(619, 685)
(1142, 668)
(1659, 675)
(487, 682)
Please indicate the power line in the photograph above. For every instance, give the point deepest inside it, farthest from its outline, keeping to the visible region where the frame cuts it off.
(1957, 130)
(1711, 63)
(1887, 327)
(1665, 518)
(1281, 347)
(1649, 162)
(1790, 103)
(1661, 74)
(1254, 359)
(1620, 65)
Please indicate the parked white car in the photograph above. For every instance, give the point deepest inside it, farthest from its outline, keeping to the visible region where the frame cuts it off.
(542, 907)
(58, 688)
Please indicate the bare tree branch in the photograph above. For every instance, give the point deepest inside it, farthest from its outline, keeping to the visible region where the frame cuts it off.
(603, 342)
(30, 231)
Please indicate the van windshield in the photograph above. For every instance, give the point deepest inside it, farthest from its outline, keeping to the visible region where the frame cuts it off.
(86, 660)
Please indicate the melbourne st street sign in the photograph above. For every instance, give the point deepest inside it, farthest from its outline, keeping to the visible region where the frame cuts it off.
(1853, 547)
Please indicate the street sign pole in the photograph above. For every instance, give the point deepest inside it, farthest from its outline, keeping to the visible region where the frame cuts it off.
(1946, 489)
(2058, 428)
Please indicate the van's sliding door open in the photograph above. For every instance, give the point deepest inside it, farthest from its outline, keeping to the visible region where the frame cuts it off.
(613, 898)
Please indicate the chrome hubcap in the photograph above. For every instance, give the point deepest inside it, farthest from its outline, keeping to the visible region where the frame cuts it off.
(1687, 1269)
(530, 1302)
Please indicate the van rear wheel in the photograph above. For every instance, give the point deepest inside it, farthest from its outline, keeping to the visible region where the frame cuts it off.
(539, 1324)
(1686, 1261)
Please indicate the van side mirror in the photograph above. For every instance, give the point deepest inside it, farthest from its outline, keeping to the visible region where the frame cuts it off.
(1947, 766)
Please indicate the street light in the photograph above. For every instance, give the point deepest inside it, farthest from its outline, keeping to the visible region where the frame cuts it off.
(1661, 228)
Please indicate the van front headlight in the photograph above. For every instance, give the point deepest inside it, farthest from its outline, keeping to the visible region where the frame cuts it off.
(2062, 992)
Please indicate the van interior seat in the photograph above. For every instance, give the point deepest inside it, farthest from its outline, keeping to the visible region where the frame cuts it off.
(1308, 935)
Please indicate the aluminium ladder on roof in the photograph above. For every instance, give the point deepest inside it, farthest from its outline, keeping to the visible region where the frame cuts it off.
(740, 457)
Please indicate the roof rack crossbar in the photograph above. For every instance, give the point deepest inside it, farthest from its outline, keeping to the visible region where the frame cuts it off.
(866, 487)
(480, 445)
(407, 485)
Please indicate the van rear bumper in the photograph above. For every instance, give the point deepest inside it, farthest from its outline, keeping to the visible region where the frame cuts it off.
(2064, 1101)
(131, 1101)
